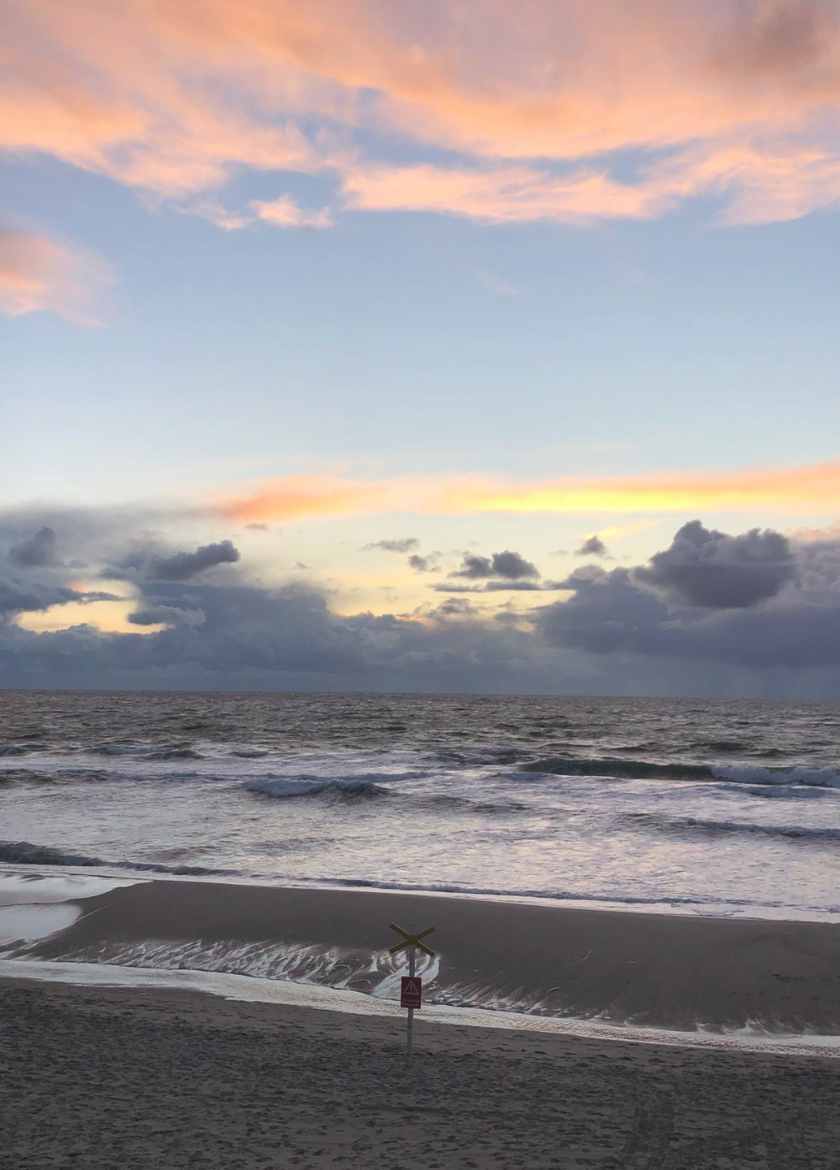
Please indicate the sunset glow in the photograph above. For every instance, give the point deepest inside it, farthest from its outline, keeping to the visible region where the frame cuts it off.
(793, 489)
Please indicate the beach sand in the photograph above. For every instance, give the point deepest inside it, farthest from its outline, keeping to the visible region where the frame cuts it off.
(662, 970)
(98, 1079)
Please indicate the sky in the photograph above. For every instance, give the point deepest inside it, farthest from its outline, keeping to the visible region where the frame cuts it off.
(441, 347)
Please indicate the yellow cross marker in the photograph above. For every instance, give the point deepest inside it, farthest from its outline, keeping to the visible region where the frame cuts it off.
(411, 940)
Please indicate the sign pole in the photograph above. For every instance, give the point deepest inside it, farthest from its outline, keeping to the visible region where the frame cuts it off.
(409, 1033)
(411, 987)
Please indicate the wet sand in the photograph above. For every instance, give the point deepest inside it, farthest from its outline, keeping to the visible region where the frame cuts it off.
(140, 1079)
(666, 971)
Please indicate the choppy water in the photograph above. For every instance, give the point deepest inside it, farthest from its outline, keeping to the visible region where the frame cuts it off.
(717, 806)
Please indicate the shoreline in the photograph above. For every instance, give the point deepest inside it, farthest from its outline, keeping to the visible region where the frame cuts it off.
(124, 873)
(669, 971)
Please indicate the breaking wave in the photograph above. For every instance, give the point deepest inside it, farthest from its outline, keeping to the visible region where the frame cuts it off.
(362, 788)
(732, 746)
(623, 769)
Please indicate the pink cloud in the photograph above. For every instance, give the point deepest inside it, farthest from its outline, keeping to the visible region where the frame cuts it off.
(285, 213)
(501, 195)
(36, 274)
(739, 98)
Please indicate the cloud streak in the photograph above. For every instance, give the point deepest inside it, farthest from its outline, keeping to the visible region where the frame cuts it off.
(790, 490)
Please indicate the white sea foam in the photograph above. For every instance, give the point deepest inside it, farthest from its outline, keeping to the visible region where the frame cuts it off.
(36, 905)
(378, 972)
(30, 888)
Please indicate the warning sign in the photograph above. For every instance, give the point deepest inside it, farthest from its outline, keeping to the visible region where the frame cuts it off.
(411, 991)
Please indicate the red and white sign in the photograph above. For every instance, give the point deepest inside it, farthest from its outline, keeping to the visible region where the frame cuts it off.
(411, 991)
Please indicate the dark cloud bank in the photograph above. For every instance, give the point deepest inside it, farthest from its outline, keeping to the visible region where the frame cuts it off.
(749, 614)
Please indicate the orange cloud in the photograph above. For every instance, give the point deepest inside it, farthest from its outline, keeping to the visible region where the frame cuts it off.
(174, 96)
(36, 273)
(299, 497)
(783, 490)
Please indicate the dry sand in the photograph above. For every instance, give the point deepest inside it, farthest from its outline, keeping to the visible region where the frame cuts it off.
(105, 1079)
(668, 971)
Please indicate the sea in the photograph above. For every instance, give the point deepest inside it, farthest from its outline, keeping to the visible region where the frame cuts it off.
(727, 808)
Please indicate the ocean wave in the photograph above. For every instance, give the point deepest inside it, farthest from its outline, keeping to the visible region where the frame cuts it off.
(284, 787)
(146, 751)
(19, 749)
(781, 791)
(735, 746)
(82, 775)
(756, 774)
(624, 769)
(175, 752)
(24, 776)
(362, 788)
(118, 749)
(40, 776)
(89, 775)
(696, 826)
(464, 804)
(26, 853)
